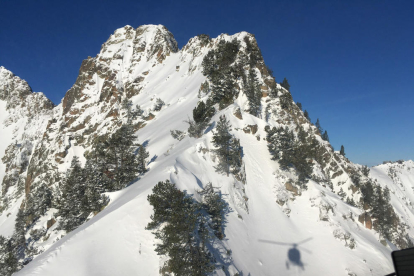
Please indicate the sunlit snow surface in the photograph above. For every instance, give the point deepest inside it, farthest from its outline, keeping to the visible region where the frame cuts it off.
(266, 240)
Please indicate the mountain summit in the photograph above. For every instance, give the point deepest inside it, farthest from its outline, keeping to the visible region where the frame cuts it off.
(162, 161)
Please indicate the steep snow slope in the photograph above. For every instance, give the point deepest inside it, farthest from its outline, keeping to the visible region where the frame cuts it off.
(268, 219)
(399, 178)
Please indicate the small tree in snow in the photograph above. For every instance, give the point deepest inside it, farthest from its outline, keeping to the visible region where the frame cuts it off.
(158, 104)
(342, 151)
(318, 126)
(227, 149)
(215, 206)
(142, 160)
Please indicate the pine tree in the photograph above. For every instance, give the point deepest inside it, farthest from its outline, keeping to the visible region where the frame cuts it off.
(38, 202)
(325, 136)
(99, 164)
(285, 84)
(202, 114)
(182, 235)
(253, 93)
(342, 151)
(121, 160)
(214, 205)
(30, 208)
(114, 160)
(289, 151)
(299, 159)
(299, 105)
(223, 91)
(195, 129)
(285, 100)
(222, 140)
(73, 200)
(383, 212)
(96, 183)
(18, 238)
(217, 67)
(318, 126)
(158, 104)
(368, 195)
(8, 261)
(302, 135)
(3, 254)
(235, 156)
(131, 114)
(281, 145)
(306, 114)
(142, 160)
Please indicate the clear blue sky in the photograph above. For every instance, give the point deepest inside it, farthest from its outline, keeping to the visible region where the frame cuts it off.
(350, 63)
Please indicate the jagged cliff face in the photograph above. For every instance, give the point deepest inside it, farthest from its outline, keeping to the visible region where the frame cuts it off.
(24, 116)
(141, 65)
(91, 107)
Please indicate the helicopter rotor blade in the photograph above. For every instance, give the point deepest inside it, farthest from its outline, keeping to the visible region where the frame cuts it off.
(308, 239)
(274, 242)
(306, 250)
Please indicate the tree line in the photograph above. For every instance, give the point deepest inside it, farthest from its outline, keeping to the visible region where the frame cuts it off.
(113, 163)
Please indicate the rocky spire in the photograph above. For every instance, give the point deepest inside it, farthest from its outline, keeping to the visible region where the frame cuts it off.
(13, 89)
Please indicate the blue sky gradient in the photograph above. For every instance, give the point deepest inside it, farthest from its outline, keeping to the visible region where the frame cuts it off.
(350, 63)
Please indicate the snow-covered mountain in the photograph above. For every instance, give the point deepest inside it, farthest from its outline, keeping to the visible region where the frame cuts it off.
(275, 224)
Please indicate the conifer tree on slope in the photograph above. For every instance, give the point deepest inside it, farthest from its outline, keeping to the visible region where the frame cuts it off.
(281, 142)
(383, 212)
(131, 113)
(306, 114)
(217, 67)
(318, 126)
(228, 148)
(38, 202)
(325, 136)
(73, 198)
(253, 93)
(285, 84)
(8, 261)
(142, 160)
(178, 225)
(97, 164)
(214, 205)
(342, 151)
(18, 240)
(121, 158)
(202, 114)
(114, 159)
(235, 156)
(96, 181)
(289, 151)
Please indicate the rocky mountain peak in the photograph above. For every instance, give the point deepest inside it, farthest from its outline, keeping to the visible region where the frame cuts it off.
(13, 89)
(117, 69)
(148, 41)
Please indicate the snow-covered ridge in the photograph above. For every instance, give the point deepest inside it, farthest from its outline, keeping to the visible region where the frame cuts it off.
(269, 214)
